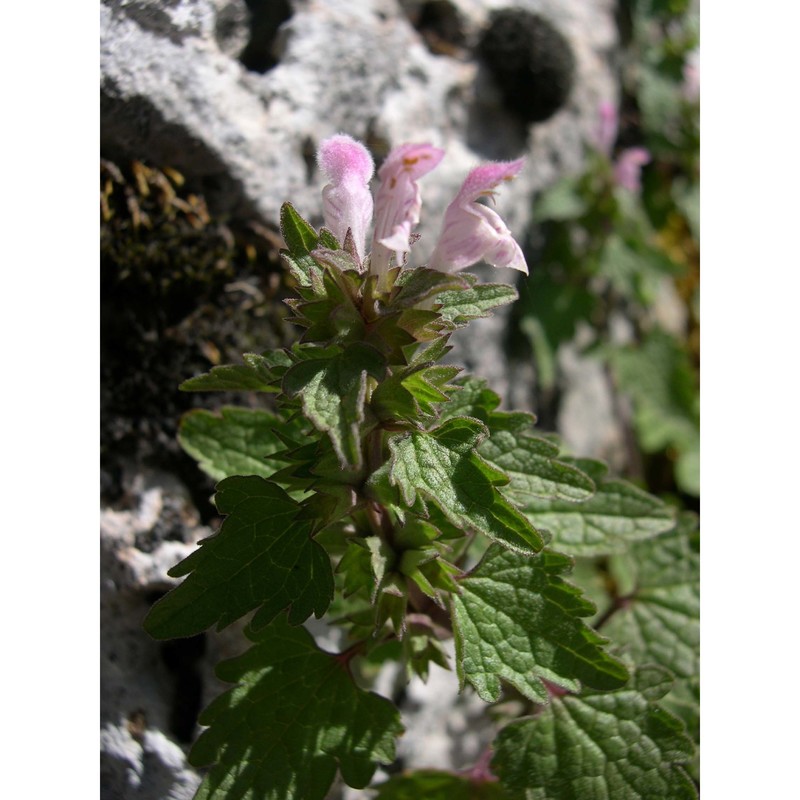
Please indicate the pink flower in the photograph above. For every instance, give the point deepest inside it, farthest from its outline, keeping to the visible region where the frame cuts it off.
(607, 128)
(628, 167)
(398, 201)
(691, 77)
(346, 200)
(473, 232)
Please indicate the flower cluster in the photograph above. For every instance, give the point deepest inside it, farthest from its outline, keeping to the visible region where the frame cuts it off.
(471, 231)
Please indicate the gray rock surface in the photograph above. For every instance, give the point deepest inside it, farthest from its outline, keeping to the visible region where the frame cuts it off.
(137, 691)
(171, 92)
(443, 726)
(587, 418)
(174, 92)
(144, 765)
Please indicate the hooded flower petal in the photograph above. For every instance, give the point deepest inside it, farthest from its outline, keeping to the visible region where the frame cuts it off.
(473, 232)
(347, 200)
(628, 169)
(398, 202)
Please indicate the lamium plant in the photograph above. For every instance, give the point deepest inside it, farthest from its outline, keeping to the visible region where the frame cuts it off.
(387, 492)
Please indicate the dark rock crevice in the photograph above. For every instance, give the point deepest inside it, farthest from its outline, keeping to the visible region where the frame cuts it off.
(266, 17)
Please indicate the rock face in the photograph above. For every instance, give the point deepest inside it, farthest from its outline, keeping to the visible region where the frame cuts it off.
(173, 91)
(138, 693)
(236, 96)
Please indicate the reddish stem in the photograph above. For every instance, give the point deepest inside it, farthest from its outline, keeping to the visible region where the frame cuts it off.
(617, 604)
(346, 656)
(480, 771)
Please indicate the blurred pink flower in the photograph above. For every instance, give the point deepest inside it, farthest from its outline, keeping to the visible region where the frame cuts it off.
(398, 201)
(607, 126)
(347, 200)
(473, 232)
(628, 167)
(691, 77)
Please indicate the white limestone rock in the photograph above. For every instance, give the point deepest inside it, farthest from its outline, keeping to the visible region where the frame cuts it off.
(138, 691)
(172, 94)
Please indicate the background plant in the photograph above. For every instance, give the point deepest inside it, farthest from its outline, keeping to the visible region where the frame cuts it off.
(618, 249)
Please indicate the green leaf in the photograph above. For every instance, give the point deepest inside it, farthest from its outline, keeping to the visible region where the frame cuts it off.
(260, 557)
(614, 746)
(659, 101)
(255, 375)
(459, 307)
(332, 313)
(441, 465)
(684, 702)
(687, 198)
(333, 393)
(562, 201)
(624, 269)
(431, 784)
(517, 620)
(237, 441)
(299, 236)
(474, 398)
(420, 323)
(293, 718)
(687, 470)
(430, 386)
(301, 239)
(414, 286)
(328, 240)
(531, 464)
(552, 306)
(413, 394)
(316, 467)
(363, 565)
(430, 352)
(662, 384)
(632, 263)
(528, 460)
(660, 621)
(617, 514)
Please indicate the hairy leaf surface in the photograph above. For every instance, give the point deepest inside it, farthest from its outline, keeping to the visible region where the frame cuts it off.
(441, 465)
(262, 557)
(660, 379)
(413, 393)
(255, 375)
(301, 239)
(660, 621)
(532, 465)
(293, 718)
(333, 393)
(461, 306)
(417, 285)
(237, 441)
(616, 515)
(530, 462)
(516, 619)
(620, 745)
